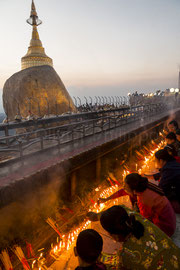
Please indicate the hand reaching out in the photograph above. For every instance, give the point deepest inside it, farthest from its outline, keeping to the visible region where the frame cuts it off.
(101, 200)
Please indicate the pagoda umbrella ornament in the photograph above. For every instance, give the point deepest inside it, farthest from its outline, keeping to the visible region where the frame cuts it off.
(33, 20)
(36, 54)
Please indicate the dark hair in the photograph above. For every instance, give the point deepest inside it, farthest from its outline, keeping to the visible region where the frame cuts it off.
(178, 131)
(164, 155)
(171, 136)
(89, 245)
(172, 149)
(116, 220)
(174, 123)
(136, 182)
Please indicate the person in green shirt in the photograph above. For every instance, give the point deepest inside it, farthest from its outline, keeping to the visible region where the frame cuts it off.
(144, 245)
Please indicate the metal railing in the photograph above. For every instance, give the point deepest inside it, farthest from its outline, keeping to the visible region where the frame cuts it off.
(69, 128)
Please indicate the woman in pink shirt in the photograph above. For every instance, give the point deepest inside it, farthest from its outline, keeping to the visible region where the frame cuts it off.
(151, 202)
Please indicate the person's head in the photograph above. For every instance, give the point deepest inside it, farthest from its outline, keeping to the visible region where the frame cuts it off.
(88, 247)
(135, 183)
(178, 134)
(162, 157)
(170, 138)
(172, 126)
(119, 224)
(171, 149)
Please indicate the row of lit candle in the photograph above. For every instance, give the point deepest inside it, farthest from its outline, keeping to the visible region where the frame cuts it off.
(67, 241)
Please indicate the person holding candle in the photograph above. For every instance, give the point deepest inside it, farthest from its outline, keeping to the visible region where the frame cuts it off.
(88, 249)
(144, 245)
(120, 193)
(151, 202)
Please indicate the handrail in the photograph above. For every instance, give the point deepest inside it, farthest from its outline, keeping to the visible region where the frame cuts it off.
(76, 130)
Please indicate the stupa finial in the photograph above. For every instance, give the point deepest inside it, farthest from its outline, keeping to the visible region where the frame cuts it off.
(36, 55)
(33, 20)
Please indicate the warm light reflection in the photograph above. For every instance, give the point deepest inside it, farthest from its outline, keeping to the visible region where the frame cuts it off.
(67, 241)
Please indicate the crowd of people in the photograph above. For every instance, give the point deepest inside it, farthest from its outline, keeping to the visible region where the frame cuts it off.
(147, 230)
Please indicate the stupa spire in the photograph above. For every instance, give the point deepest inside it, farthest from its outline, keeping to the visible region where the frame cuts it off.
(36, 55)
(33, 9)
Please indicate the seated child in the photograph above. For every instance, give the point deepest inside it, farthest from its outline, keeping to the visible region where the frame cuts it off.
(88, 249)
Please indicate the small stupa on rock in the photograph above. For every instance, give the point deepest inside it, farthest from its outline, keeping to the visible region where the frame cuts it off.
(37, 87)
(36, 55)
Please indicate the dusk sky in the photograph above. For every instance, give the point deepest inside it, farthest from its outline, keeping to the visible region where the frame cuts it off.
(99, 47)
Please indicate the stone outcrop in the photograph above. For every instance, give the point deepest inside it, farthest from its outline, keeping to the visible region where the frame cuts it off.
(36, 90)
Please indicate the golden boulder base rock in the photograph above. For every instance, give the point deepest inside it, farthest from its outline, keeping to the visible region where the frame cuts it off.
(38, 90)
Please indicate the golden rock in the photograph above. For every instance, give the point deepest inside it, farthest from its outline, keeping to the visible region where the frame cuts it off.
(36, 90)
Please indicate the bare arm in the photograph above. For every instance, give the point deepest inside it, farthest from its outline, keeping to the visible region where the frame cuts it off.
(116, 195)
